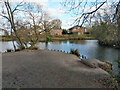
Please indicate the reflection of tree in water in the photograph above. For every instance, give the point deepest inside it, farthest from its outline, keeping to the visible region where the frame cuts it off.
(57, 42)
(71, 41)
(108, 54)
(77, 41)
(46, 45)
(100, 53)
(65, 42)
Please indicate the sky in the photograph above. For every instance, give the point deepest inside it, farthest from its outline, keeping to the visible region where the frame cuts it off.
(56, 10)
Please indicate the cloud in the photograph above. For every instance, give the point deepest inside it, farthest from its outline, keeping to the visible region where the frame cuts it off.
(36, 1)
(54, 12)
(66, 24)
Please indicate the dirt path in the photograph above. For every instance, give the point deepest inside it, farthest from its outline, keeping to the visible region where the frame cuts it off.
(47, 69)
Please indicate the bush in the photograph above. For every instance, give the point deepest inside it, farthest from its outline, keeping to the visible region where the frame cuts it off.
(72, 51)
(64, 31)
(75, 52)
(86, 32)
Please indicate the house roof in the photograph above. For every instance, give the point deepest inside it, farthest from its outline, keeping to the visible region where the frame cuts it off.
(74, 27)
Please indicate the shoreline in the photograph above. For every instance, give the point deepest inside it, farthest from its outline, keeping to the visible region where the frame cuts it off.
(56, 70)
(54, 38)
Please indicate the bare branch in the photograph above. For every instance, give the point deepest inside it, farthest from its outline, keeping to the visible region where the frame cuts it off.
(96, 8)
(86, 15)
(16, 8)
(117, 10)
(5, 17)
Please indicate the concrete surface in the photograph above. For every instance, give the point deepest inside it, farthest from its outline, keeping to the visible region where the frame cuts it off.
(48, 69)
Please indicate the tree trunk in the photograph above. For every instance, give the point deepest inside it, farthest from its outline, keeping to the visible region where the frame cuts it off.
(14, 46)
(13, 41)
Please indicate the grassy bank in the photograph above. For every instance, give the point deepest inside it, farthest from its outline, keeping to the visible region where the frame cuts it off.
(54, 38)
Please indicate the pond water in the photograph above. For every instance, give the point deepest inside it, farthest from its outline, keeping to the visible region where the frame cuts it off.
(89, 48)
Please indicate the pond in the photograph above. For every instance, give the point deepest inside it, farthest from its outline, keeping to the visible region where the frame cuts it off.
(89, 48)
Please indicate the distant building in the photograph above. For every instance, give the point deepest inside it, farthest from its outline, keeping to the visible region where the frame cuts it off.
(54, 32)
(76, 29)
(3, 32)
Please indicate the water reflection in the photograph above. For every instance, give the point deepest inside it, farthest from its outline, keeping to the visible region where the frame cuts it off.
(78, 42)
(90, 48)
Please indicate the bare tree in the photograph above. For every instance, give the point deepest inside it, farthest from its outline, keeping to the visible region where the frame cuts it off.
(78, 8)
(38, 19)
(56, 24)
(10, 17)
(48, 24)
(18, 27)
